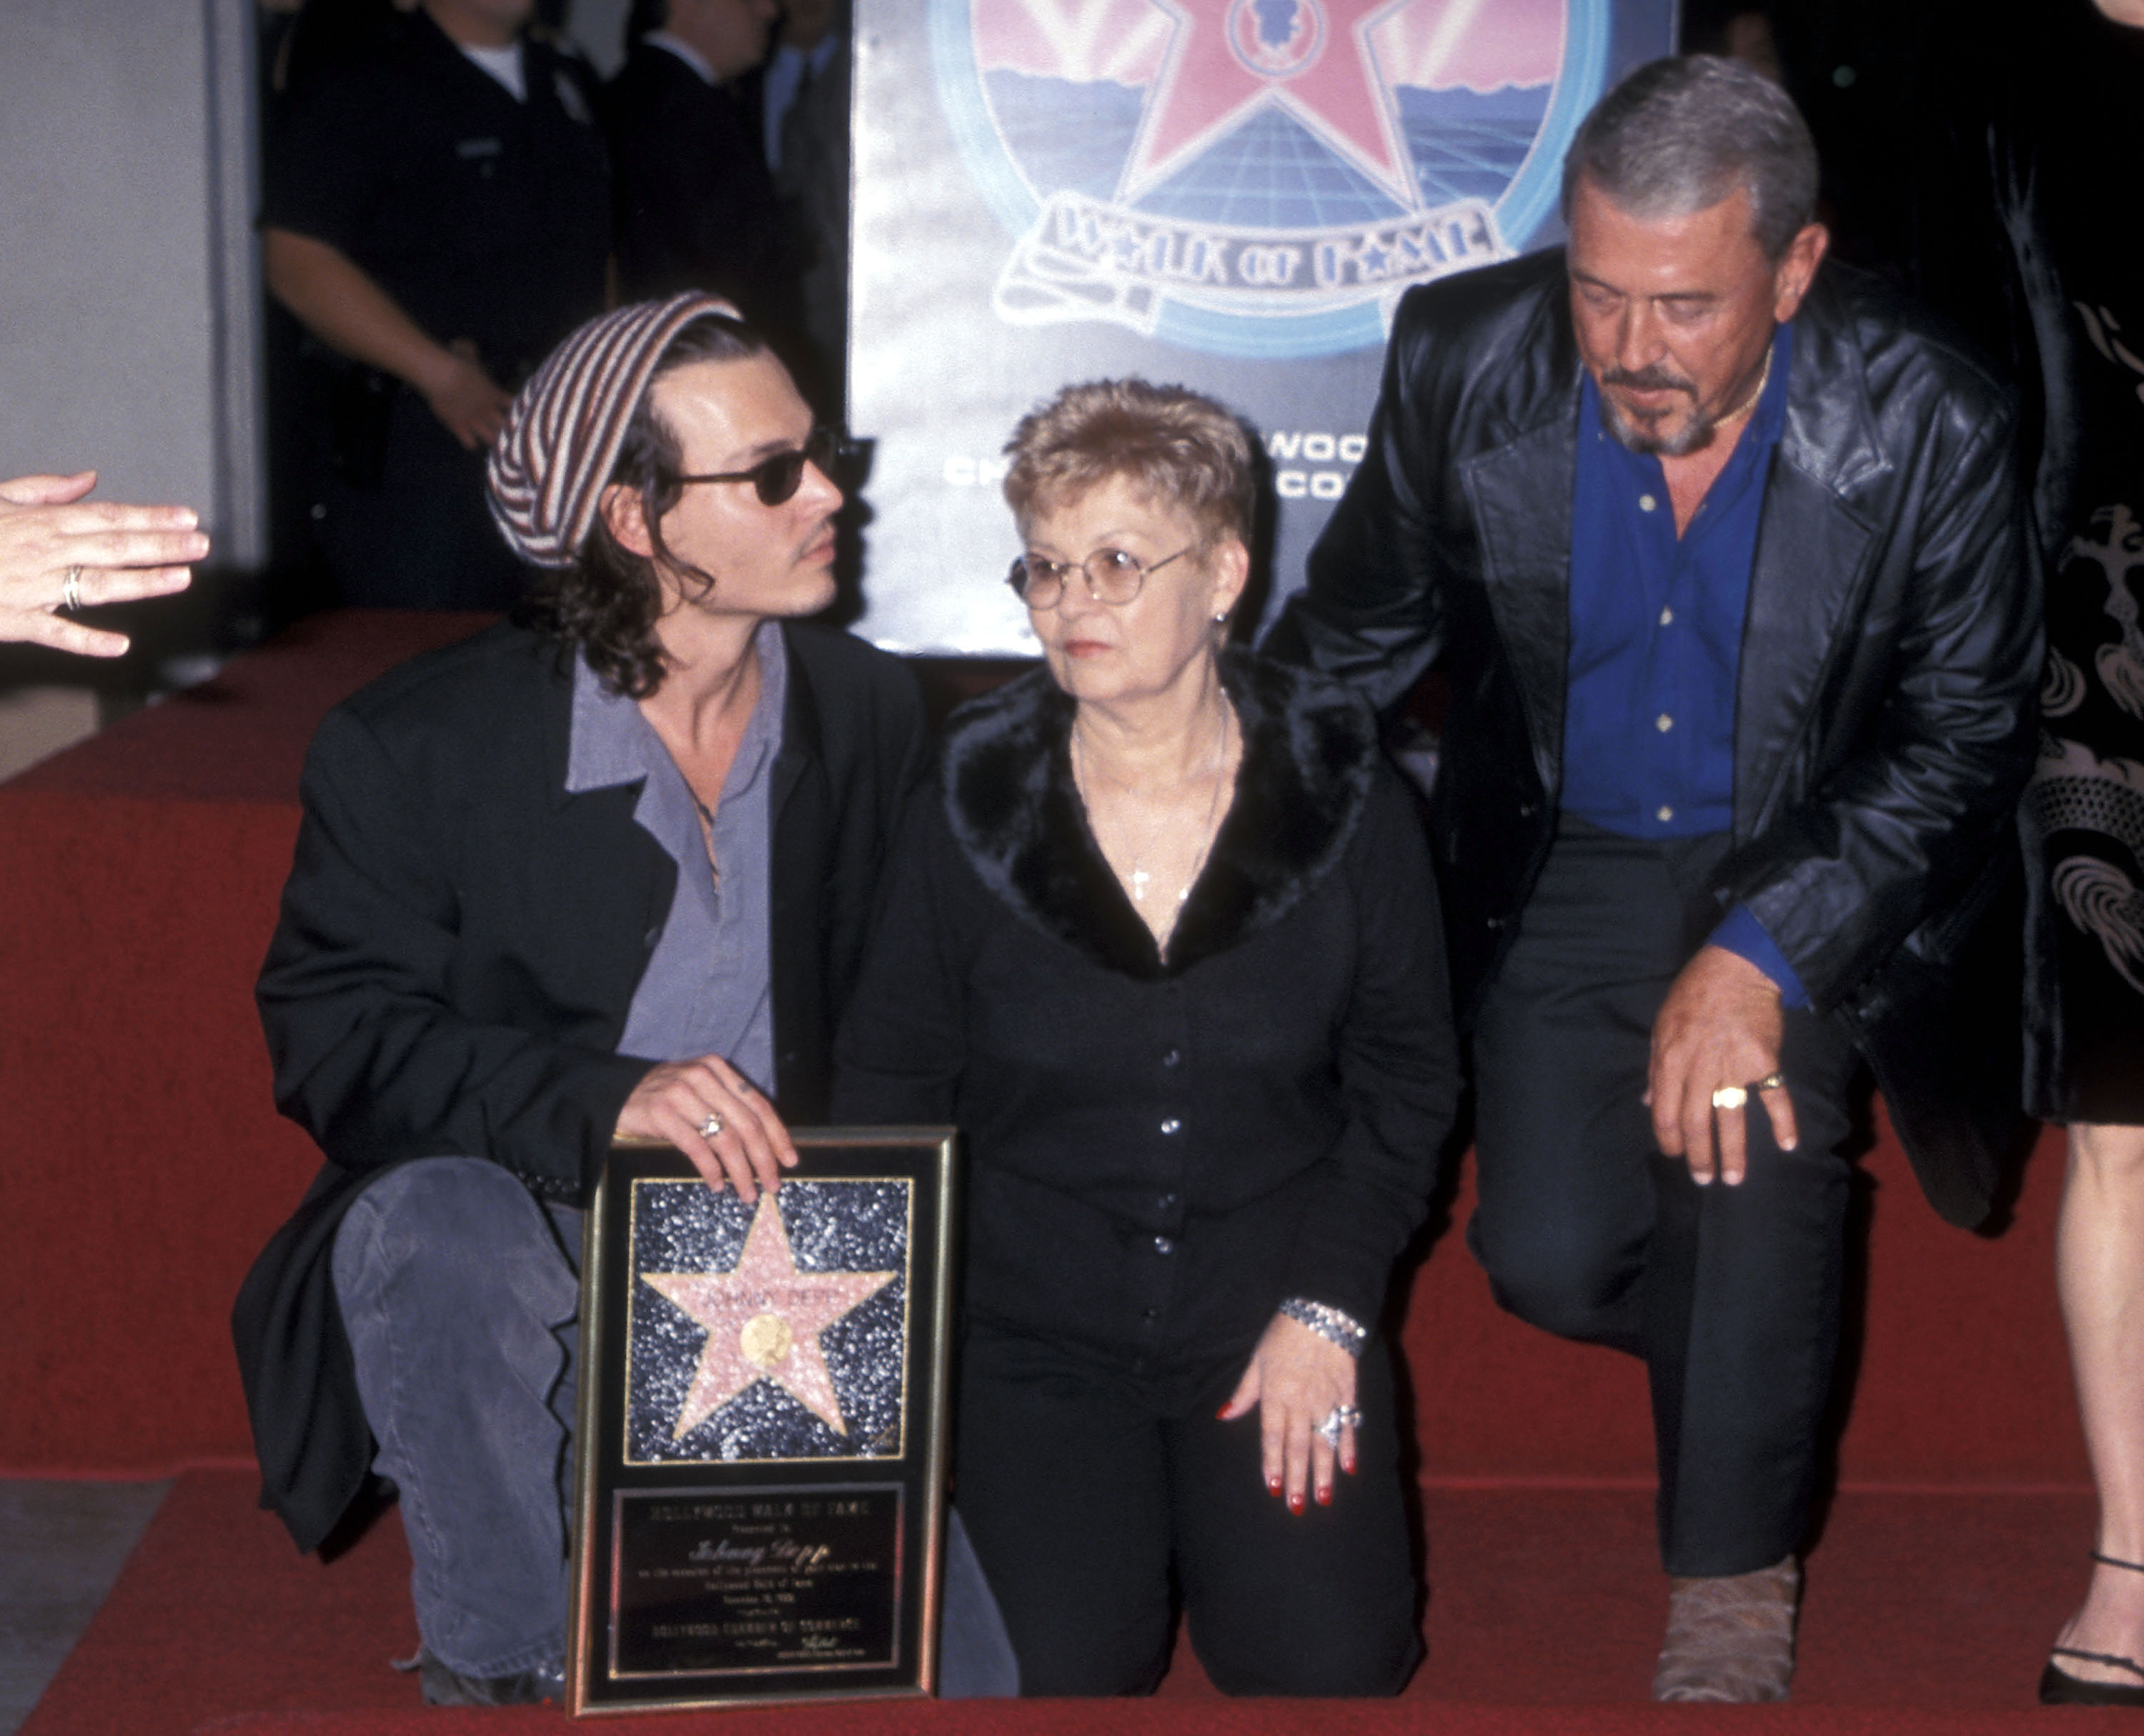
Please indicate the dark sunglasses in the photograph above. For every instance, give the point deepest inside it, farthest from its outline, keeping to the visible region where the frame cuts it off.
(776, 479)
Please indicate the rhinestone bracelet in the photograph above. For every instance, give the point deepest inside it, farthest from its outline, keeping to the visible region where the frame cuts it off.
(1333, 1325)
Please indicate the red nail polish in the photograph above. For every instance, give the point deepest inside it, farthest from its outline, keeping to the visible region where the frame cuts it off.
(1273, 1486)
(1222, 1413)
(1348, 1466)
(1295, 1502)
(1325, 1497)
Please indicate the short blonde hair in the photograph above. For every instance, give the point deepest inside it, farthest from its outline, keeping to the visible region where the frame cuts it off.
(1173, 443)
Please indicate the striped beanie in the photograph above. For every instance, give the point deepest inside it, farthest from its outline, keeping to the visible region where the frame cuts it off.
(549, 464)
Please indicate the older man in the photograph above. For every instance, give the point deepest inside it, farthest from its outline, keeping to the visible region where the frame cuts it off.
(606, 874)
(1723, 557)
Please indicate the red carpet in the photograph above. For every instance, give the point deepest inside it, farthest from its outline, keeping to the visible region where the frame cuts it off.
(145, 1167)
(1924, 1613)
(145, 1164)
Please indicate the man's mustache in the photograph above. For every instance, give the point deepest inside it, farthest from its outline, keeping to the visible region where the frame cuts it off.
(1652, 378)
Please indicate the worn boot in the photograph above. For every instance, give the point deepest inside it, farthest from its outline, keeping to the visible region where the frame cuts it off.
(1730, 1639)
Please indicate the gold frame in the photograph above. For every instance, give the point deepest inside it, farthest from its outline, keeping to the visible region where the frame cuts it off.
(917, 1471)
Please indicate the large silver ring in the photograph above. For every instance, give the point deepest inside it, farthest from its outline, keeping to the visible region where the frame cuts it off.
(710, 1126)
(1729, 1097)
(71, 592)
(1339, 1417)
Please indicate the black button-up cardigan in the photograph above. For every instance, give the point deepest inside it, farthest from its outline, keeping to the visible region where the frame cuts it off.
(1163, 1146)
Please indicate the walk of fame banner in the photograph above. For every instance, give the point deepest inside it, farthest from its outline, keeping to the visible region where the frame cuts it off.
(759, 1488)
(1229, 194)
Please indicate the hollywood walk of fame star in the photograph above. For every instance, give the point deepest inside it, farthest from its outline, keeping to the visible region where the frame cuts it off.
(763, 1318)
(1205, 86)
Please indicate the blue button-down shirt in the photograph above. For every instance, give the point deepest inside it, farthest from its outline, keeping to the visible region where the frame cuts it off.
(1656, 640)
(708, 987)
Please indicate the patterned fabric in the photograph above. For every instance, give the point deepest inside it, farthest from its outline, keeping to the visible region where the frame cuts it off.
(2086, 801)
(548, 467)
(2084, 809)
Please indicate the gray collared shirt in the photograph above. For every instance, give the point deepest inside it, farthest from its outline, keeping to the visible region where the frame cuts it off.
(707, 988)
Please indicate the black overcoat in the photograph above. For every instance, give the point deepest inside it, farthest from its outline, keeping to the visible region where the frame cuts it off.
(1885, 711)
(459, 943)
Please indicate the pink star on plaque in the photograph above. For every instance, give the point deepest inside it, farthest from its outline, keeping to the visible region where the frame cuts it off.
(1311, 58)
(763, 1318)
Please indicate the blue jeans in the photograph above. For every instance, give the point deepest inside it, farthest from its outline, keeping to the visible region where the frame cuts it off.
(461, 1296)
(460, 1293)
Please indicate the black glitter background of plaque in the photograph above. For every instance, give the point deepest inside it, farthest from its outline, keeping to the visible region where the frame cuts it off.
(833, 1226)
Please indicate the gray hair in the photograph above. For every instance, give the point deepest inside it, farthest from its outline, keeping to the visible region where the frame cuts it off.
(1679, 135)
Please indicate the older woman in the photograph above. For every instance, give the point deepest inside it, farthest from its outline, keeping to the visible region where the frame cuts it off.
(1165, 943)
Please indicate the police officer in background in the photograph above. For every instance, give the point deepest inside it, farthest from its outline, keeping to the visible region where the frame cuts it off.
(437, 217)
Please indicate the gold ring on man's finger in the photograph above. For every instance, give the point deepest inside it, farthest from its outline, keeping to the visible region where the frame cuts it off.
(1729, 1097)
(1771, 1082)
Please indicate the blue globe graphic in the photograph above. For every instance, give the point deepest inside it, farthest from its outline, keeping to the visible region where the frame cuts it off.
(1025, 137)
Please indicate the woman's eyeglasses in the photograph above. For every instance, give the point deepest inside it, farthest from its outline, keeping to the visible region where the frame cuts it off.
(776, 479)
(1113, 576)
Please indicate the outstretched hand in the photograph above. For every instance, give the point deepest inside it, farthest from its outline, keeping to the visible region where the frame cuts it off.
(1719, 1027)
(115, 553)
(1295, 1380)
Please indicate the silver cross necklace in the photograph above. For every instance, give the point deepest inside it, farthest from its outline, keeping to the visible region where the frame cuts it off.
(1141, 881)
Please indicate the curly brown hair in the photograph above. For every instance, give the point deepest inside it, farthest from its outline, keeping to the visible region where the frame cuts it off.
(608, 601)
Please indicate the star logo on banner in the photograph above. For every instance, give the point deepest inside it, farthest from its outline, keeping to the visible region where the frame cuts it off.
(1311, 58)
(763, 1318)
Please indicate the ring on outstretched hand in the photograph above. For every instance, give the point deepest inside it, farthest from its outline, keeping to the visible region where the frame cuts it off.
(710, 1126)
(1729, 1097)
(71, 592)
(1771, 1082)
(1339, 1417)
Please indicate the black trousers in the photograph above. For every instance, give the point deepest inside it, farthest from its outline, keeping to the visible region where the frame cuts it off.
(1731, 1295)
(1083, 1484)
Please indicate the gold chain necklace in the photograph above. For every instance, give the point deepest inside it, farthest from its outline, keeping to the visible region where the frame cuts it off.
(1764, 379)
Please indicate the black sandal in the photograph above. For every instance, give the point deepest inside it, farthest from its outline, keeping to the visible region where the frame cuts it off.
(2059, 1687)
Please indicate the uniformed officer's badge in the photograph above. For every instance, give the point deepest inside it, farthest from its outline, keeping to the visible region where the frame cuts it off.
(1260, 177)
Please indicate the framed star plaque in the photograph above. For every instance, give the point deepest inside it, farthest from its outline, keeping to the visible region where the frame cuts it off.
(759, 1489)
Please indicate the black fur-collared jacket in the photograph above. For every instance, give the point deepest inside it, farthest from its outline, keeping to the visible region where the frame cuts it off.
(1165, 1144)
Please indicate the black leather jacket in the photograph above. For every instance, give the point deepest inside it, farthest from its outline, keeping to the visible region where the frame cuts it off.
(1884, 720)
